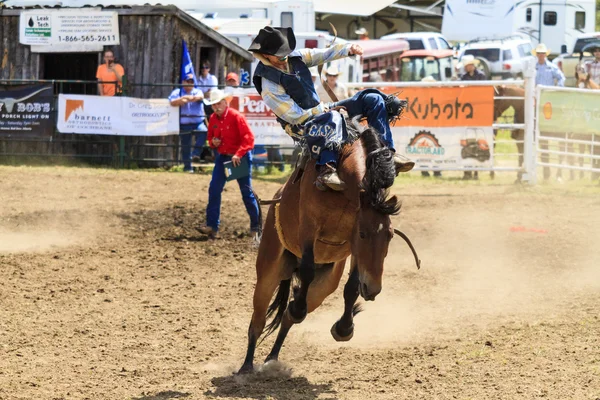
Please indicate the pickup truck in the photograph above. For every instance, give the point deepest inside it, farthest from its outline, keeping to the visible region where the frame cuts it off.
(568, 62)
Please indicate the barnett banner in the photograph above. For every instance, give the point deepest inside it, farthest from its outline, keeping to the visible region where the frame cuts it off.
(447, 126)
(128, 116)
(27, 111)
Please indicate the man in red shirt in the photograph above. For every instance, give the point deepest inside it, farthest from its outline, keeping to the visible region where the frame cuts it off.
(229, 134)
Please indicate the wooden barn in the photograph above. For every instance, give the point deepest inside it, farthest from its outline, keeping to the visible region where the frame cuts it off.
(150, 51)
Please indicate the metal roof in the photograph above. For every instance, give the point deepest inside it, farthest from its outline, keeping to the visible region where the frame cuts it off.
(15, 7)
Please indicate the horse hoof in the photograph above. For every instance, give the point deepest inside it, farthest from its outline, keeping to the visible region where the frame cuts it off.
(296, 319)
(246, 369)
(340, 338)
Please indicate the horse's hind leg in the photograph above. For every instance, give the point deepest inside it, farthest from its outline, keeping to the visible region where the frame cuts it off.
(270, 275)
(297, 309)
(343, 329)
(326, 282)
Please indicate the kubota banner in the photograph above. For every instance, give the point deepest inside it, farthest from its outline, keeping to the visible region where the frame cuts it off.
(447, 106)
(446, 126)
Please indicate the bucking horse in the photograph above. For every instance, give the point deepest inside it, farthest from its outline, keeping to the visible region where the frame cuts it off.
(308, 235)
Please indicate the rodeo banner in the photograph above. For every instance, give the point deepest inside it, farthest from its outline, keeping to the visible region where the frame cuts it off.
(447, 126)
(128, 116)
(26, 111)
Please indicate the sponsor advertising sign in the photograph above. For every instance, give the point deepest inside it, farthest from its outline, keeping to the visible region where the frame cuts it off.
(27, 111)
(569, 112)
(261, 120)
(73, 30)
(447, 126)
(102, 115)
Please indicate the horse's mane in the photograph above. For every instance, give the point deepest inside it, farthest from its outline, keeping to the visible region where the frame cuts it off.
(379, 172)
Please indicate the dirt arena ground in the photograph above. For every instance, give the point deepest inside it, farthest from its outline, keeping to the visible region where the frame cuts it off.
(108, 292)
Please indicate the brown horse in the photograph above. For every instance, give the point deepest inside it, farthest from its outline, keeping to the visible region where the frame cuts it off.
(309, 235)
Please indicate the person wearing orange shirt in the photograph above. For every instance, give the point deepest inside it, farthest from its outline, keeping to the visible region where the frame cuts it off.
(109, 75)
(362, 33)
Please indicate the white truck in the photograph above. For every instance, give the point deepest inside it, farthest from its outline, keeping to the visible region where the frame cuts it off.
(552, 22)
(569, 62)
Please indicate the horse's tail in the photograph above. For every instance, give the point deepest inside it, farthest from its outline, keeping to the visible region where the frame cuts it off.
(277, 307)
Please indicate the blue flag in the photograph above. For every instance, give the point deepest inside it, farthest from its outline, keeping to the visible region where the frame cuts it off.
(187, 67)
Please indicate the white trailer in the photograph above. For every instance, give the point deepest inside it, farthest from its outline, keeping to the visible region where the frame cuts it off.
(553, 22)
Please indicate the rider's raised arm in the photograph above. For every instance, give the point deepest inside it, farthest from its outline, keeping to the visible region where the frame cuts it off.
(312, 57)
(283, 106)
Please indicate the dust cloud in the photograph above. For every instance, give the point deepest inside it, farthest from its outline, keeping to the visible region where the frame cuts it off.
(476, 273)
(16, 242)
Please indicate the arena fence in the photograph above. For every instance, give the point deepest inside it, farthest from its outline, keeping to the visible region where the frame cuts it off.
(567, 131)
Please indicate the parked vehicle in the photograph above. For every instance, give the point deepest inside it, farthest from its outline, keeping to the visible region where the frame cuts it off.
(500, 58)
(421, 40)
(418, 64)
(552, 22)
(568, 62)
(381, 58)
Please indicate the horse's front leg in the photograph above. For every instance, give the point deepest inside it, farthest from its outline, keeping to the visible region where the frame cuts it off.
(343, 329)
(297, 309)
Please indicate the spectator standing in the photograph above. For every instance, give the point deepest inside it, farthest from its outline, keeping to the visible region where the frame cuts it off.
(206, 83)
(472, 73)
(109, 75)
(206, 80)
(229, 134)
(191, 116)
(593, 67)
(363, 33)
(547, 73)
(331, 75)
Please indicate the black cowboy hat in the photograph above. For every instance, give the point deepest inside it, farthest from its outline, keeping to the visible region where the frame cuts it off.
(277, 42)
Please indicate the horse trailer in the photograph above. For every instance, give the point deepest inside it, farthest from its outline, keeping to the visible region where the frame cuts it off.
(552, 22)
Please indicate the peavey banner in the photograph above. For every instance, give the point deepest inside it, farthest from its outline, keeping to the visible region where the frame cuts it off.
(26, 111)
(127, 116)
(261, 119)
(447, 126)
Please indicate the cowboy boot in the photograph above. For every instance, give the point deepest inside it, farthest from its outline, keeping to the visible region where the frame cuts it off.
(328, 178)
(402, 163)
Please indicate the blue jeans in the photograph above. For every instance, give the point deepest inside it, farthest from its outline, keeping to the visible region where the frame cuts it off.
(217, 183)
(186, 150)
(372, 106)
(328, 157)
(199, 144)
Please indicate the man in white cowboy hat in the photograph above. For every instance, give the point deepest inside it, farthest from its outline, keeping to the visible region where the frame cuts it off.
(230, 135)
(331, 75)
(472, 73)
(547, 73)
(363, 33)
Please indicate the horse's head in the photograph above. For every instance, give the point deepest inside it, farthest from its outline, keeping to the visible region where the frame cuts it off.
(370, 241)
